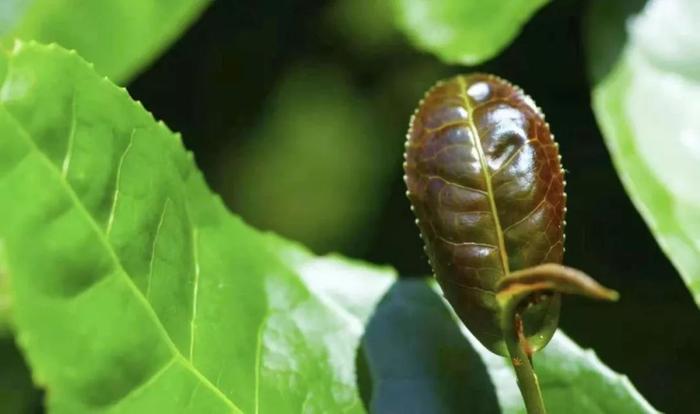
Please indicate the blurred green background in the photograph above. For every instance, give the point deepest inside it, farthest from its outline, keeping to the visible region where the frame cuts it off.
(297, 113)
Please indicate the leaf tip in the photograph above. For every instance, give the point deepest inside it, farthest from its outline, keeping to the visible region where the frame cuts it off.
(612, 295)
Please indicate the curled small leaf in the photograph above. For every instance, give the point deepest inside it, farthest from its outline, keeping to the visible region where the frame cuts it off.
(550, 277)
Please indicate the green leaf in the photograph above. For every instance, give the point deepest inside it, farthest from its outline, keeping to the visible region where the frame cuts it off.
(463, 31)
(646, 105)
(133, 288)
(121, 37)
(573, 380)
(418, 359)
(420, 355)
(366, 25)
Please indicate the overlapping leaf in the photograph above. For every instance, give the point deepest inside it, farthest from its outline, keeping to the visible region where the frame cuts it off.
(646, 103)
(120, 36)
(463, 31)
(417, 357)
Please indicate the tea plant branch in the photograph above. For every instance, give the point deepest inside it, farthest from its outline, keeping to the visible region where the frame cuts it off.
(451, 178)
(524, 288)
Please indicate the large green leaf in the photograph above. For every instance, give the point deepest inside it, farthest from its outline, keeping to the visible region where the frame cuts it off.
(573, 380)
(133, 288)
(647, 105)
(417, 347)
(463, 31)
(120, 37)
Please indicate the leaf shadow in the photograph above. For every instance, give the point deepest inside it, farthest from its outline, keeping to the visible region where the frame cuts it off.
(414, 359)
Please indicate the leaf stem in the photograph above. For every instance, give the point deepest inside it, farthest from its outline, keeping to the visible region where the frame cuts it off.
(519, 290)
(521, 359)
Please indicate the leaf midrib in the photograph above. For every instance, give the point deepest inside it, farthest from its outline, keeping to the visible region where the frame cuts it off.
(130, 283)
(503, 254)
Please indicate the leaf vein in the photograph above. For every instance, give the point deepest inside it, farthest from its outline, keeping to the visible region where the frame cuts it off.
(151, 380)
(92, 222)
(487, 178)
(156, 237)
(258, 361)
(71, 138)
(195, 290)
(462, 186)
(115, 198)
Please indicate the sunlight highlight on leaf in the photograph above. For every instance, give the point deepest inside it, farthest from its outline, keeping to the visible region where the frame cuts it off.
(133, 288)
(464, 32)
(121, 37)
(647, 108)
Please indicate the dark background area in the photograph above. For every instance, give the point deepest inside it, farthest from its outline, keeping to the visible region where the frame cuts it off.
(213, 86)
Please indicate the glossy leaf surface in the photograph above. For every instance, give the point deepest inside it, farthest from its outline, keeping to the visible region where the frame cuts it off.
(420, 358)
(133, 288)
(573, 380)
(646, 104)
(120, 37)
(463, 31)
(486, 185)
(415, 353)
